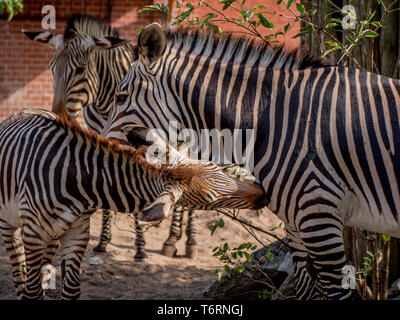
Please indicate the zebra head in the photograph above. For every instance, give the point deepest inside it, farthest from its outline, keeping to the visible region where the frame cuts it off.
(143, 96)
(190, 183)
(76, 80)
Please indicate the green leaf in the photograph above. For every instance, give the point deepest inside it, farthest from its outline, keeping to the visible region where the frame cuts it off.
(326, 52)
(303, 31)
(248, 256)
(330, 42)
(241, 269)
(247, 14)
(300, 8)
(156, 7)
(385, 237)
(227, 4)
(261, 6)
(209, 16)
(336, 20)
(218, 273)
(287, 27)
(370, 16)
(370, 34)
(330, 25)
(289, 3)
(264, 21)
(350, 39)
(376, 24)
(227, 270)
(214, 228)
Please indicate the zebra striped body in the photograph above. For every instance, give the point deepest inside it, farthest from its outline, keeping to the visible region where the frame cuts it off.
(86, 70)
(54, 175)
(325, 144)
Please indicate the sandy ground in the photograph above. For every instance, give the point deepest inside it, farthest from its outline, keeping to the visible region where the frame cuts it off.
(117, 276)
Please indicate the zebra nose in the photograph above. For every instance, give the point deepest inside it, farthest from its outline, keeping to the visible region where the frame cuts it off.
(261, 200)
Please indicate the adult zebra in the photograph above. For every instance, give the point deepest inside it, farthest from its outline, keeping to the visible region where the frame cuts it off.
(89, 62)
(53, 175)
(325, 150)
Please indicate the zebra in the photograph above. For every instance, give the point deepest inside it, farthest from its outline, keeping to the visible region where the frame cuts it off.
(325, 147)
(54, 175)
(89, 62)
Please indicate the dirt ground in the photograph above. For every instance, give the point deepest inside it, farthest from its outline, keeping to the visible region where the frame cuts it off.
(114, 274)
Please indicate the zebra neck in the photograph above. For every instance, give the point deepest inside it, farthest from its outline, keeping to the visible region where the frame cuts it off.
(115, 180)
(224, 96)
(109, 67)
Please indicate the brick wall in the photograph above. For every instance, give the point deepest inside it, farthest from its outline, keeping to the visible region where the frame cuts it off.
(25, 79)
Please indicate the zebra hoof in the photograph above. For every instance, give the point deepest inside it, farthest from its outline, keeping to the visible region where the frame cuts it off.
(100, 248)
(191, 251)
(169, 251)
(140, 257)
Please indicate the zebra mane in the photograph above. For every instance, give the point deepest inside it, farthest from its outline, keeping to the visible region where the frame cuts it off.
(89, 25)
(185, 173)
(241, 49)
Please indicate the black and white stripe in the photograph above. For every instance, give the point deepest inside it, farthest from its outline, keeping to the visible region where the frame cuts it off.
(326, 137)
(54, 175)
(89, 62)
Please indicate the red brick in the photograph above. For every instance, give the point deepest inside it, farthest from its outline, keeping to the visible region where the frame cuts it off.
(25, 79)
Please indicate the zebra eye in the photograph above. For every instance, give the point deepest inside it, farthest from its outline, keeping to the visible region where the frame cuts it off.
(80, 70)
(120, 99)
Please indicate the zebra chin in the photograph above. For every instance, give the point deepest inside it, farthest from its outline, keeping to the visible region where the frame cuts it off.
(246, 196)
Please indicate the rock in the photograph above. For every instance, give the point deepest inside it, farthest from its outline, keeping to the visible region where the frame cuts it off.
(394, 289)
(287, 290)
(95, 261)
(248, 284)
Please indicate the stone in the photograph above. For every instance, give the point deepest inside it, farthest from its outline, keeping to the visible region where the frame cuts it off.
(394, 289)
(95, 261)
(249, 283)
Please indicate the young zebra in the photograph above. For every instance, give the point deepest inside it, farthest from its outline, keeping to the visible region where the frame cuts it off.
(53, 175)
(89, 62)
(326, 138)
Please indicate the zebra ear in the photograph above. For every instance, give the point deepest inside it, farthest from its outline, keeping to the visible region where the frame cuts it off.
(138, 135)
(108, 42)
(152, 43)
(47, 38)
(162, 206)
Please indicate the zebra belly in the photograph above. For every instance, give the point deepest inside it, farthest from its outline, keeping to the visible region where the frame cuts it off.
(357, 214)
(10, 214)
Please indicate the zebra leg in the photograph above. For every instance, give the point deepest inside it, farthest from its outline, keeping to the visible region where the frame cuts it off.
(50, 252)
(322, 236)
(74, 244)
(175, 233)
(35, 249)
(303, 269)
(106, 234)
(140, 242)
(15, 250)
(191, 244)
